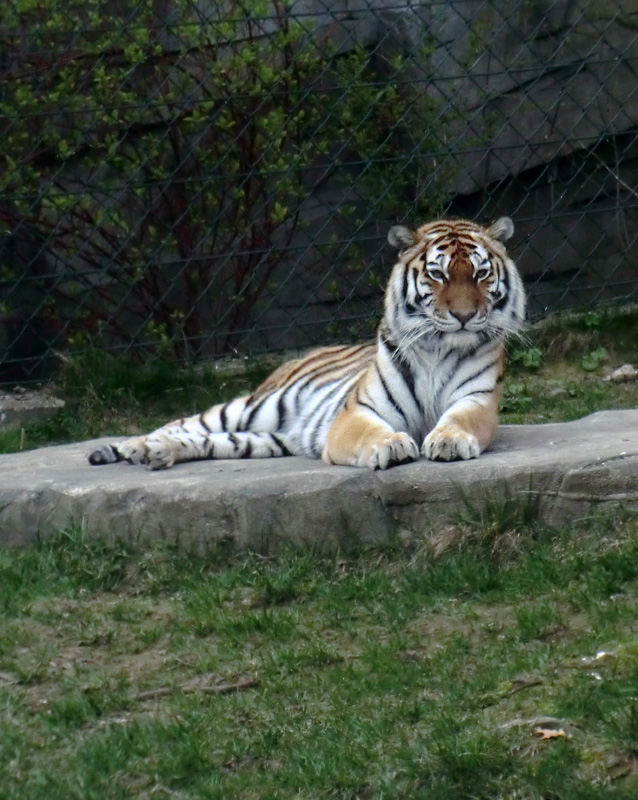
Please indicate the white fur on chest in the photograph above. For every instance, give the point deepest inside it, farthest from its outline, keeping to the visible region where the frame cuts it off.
(446, 373)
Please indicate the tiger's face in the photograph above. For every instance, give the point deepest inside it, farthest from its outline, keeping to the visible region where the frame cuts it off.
(454, 278)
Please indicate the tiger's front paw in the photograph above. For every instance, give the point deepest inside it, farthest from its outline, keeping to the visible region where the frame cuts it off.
(450, 443)
(389, 451)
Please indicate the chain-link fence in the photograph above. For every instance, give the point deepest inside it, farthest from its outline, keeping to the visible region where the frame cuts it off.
(205, 177)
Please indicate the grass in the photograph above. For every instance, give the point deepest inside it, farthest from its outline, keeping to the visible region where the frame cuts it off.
(554, 374)
(385, 673)
(107, 395)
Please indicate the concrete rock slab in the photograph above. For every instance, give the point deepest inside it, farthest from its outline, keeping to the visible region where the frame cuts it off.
(260, 504)
(22, 405)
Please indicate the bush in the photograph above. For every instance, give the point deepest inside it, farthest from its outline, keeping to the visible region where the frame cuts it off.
(154, 172)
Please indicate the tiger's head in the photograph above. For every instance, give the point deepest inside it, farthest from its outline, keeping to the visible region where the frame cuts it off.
(454, 280)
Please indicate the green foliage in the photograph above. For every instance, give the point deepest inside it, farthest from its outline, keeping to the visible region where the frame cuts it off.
(593, 320)
(530, 358)
(592, 360)
(515, 398)
(161, 166)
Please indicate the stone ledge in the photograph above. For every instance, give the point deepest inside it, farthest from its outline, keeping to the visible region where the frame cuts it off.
(20, 407)
(260, 504)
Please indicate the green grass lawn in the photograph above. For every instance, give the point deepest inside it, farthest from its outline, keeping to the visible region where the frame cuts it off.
(433, 672)
(494, 658)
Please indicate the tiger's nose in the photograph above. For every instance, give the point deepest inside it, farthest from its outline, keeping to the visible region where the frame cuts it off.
(463, 316)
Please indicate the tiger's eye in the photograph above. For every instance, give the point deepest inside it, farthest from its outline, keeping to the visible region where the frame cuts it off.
(482, 274)
(436, 274)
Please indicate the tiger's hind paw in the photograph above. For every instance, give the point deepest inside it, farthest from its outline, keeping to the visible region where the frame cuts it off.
(449, 443)
(159, 452)
(390, 451)
(154, 451)
(132, 450)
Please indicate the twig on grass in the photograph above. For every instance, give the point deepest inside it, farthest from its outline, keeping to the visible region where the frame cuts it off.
(535, 722)
(219, 688)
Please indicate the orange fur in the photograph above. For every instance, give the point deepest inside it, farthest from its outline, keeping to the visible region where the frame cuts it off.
(357, 440)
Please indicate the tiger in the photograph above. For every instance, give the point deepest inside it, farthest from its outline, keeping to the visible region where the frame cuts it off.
(429, 386)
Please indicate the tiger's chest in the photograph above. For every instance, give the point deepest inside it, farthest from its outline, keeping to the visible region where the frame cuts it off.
(433, 374)
(443, 375)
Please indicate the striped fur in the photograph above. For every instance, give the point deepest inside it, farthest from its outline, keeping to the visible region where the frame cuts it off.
(430, 385)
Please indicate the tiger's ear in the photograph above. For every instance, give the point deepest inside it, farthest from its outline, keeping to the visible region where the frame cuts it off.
(502, 229)
(401, 237)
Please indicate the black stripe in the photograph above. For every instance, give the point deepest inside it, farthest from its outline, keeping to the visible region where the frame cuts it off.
(315, 432)
(348, 362)
(473, 377)
(326, 362)
(223, 417)
(203, 423)
(370, 408)
(301, 384)
(500, 304)
(280, 443)
(410, 307)
(338, 382)
(442, 389)
(325, 403)
(282, 412)
(391, 397)
(404, 292)
(254, 411)
(403, 368)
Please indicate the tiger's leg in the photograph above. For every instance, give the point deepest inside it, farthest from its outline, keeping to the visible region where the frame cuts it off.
(464, 430)
(191, 438)
(360, 438)
(161, 449)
